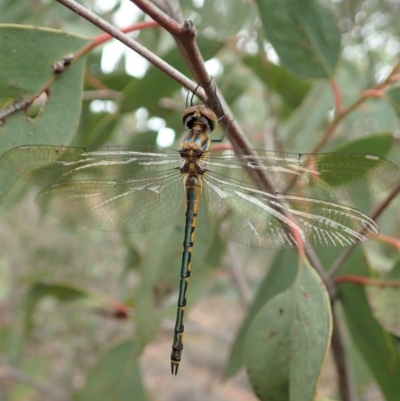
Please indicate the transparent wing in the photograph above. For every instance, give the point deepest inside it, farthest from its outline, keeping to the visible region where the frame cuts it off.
(252, 217)
(111, 189)
(123, 205)
(46, 165)
(325, 175)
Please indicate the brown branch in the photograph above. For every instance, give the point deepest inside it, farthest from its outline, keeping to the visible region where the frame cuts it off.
(173, 26)
(379, 210)
(134, 45)
(325, 277)
(17, 105)
(185, 36)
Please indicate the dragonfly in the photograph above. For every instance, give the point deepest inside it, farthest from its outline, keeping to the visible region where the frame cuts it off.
(141, 189)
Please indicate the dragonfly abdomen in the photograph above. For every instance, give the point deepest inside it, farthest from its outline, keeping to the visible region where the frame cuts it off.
(193, 191)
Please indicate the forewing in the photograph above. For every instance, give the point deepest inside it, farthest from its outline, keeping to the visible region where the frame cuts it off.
(252, 217)
(325, 175)
(46, 165)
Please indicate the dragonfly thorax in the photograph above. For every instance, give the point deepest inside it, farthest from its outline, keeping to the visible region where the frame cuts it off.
(192, 156)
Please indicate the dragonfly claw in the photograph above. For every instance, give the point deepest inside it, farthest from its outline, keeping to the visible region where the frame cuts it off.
(174, 368)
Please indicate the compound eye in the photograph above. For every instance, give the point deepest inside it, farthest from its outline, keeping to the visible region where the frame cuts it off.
(188, 121)
(209, 124)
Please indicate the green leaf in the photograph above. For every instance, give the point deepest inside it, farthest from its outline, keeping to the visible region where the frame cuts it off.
(378, 143)
(378, 347)
(385, 302)
(304, 34)
(38, 291)
(393, 97)
(11, 342)
(115, 377)
(279, 278)
(354, 176)
(291, 88)
(95, 128)
(288, 340)
(26, 59)
(308, 118)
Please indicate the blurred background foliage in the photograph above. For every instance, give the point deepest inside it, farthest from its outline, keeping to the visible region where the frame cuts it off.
(60, 321)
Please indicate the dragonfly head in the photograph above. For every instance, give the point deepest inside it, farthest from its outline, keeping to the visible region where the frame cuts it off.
(201, 116)
(199, 121)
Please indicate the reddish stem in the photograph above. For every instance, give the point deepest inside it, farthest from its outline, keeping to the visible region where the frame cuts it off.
(337, 96)
(389, 240)
(352, 278)
(98, 40)
(378, 93)
(375, 91)
(221, 146)
(104, 37)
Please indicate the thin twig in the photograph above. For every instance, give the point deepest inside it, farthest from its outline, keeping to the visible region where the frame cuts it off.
(9, 372)
(345, 383)
(134, 45)
(157, 14)
(17, 105)
(185, 36)
(374, 91)
(100, 39)
(317, 265)
(361, 280)
(380, 208)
